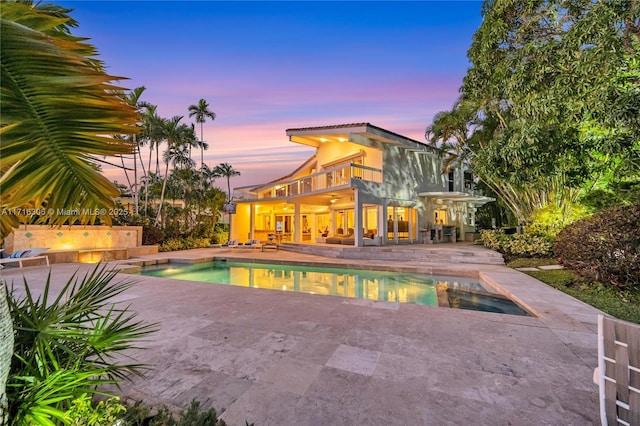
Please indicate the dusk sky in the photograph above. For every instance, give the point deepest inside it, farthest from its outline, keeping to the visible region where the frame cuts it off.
(265, 67)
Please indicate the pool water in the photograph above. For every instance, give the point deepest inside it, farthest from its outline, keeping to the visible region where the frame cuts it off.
(462, 293)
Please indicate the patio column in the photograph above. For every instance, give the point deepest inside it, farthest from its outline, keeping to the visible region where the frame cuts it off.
(297, 223)
(382, 223)
(357, 219)
(252, 213)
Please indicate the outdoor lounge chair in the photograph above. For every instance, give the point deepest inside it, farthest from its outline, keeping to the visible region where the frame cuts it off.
(233, 243)
(24, 255)
(253, 244)
(618, 371)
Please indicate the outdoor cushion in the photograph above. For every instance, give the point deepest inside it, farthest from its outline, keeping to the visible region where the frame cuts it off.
(19, 253)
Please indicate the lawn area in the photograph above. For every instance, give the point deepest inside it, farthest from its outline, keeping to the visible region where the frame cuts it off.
(620, 304)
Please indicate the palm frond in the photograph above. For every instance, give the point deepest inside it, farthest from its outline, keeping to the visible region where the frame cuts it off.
(73, 341)
(59, 110)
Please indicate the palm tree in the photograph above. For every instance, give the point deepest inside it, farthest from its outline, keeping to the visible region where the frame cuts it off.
(201, 112)
(210, 174)
(179, 137)
(153, 130)
(133, 99)
(227, 171)
(58, 110)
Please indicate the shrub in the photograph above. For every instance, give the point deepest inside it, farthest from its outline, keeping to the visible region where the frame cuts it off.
(547, 221)
(173, 244)
(85, 412)
(493, 239)
(530, 245)
(517, 245)
(139, 414)
(604, 247)
(151, 235)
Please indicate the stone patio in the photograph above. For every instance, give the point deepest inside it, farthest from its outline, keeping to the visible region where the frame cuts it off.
(281, 358)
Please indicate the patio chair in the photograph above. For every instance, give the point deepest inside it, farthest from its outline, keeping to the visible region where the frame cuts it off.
(253, 244)
(23, 255)
(618, 371)
(233, 243)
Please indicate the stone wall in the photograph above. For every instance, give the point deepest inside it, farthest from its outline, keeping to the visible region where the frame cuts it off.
(75, 237)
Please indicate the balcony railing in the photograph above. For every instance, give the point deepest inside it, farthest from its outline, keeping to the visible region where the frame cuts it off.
(326, 179)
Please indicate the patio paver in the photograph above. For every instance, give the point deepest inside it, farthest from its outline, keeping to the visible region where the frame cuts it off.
(281, 358)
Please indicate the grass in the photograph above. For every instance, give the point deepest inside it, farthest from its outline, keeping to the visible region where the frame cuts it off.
(618, 303)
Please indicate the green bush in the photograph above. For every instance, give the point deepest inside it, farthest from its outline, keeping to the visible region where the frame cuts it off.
(139, 414)
(151, 235)
(173, 244)
(85, 412)
(517, 245)
(494, 239)
(547, 221)
(604, 247)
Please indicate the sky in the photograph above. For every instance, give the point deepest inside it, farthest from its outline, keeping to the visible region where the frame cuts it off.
(265, 67)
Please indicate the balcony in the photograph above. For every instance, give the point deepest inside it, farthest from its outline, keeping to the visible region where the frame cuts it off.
(336, 177)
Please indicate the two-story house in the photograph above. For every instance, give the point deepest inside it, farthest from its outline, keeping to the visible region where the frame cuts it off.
(364, 183)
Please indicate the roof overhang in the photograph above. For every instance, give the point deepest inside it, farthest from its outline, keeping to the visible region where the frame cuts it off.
(359, 133)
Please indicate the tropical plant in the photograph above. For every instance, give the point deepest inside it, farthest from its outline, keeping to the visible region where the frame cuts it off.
(58, 110)
(201, 112)
(554, 86)
(227, 171)
(84, 412)
(153, 133)
(68, 346)
(178, 137)
(133, 99)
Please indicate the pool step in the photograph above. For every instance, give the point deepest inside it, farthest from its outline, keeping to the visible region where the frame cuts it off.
(423, 253)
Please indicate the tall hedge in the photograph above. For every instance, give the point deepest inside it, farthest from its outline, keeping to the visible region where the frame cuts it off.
(604, 247)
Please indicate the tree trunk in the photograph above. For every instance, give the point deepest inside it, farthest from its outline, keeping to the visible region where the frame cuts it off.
(164, 186)
(6, 352)
(134, 189)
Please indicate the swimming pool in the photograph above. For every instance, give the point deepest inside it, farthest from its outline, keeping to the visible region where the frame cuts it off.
(456, 292)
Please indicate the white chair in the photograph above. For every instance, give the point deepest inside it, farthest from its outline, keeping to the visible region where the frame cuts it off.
(618, 372)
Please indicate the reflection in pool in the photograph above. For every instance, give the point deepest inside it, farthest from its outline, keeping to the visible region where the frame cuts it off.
(458, 292)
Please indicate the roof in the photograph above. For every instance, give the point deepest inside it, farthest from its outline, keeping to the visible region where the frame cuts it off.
(368, 128)
(334, 126)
